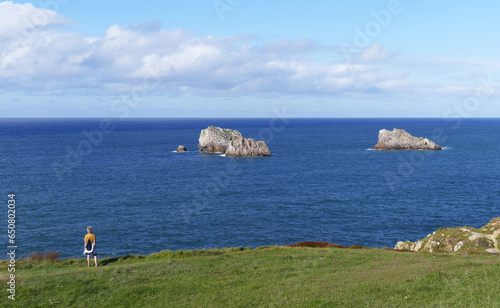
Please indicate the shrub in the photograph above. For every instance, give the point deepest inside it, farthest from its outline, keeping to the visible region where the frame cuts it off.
(48, 255)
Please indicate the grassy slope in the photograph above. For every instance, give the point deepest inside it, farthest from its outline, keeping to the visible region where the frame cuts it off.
(263, 277)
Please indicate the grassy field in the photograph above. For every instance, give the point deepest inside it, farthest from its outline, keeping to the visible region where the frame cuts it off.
(267, 277)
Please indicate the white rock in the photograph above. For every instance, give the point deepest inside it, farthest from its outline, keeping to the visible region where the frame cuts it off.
(458, 246)
(399, 139)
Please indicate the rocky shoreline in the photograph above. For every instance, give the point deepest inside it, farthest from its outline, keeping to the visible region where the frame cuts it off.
(458, 240)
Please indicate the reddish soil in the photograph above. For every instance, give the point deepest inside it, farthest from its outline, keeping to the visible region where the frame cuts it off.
(316, 245)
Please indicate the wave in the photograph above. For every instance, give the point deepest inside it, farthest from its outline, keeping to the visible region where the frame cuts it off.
(443, 148)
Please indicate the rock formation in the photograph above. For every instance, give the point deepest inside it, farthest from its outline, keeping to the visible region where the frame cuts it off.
(247, 147)
(230, 142)
(399, 139)
(181, 148)
(458, 240)
(216, 139)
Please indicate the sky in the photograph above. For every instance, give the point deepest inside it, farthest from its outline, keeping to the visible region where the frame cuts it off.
(242, 58)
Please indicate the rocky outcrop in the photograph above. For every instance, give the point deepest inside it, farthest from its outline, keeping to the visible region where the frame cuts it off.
(458, 240)
(181, 148)
(230, 142)
(216, 139)
(399, 139)
(247, 147)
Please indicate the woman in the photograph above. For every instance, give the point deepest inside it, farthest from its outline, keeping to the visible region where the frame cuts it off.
(89, 246)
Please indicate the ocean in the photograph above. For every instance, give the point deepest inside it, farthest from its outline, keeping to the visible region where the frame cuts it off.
(322, 183)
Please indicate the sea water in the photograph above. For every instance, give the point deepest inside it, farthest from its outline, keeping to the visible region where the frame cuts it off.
(322, 183)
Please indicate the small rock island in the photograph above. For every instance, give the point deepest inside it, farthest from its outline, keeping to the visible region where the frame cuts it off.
(399, 139)
(181, 148)
(231, 142)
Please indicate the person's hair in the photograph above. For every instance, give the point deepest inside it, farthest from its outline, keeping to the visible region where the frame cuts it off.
(90, 229)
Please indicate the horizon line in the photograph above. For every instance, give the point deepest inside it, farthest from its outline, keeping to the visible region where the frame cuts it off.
(200, 118)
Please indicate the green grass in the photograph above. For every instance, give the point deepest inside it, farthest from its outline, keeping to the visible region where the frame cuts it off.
(264, 277)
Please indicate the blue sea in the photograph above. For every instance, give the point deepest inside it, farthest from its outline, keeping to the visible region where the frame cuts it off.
(322, 183)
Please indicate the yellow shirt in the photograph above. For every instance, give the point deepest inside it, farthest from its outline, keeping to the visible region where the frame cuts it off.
(90, 237)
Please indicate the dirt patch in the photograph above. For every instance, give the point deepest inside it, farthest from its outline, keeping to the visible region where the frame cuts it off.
(323, 245)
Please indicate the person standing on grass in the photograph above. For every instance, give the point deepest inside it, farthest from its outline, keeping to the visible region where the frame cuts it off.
(90, 244)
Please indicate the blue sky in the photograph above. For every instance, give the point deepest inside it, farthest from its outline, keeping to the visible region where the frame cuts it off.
(241, 58)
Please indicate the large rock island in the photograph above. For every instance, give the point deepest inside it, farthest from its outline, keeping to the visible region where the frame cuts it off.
(399, 139)
(458, 240)
(230, 142)
(216, 139)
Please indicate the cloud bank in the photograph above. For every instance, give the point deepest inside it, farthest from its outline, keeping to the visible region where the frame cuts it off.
(35, 56)
(38, 56)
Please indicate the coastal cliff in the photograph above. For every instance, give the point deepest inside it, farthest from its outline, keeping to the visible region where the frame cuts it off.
(458, 240)
(399, 139)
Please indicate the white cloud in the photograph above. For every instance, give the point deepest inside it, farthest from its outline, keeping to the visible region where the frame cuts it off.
(375, 53)
(40, 59)
(37, 58)
(18, 20)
